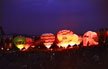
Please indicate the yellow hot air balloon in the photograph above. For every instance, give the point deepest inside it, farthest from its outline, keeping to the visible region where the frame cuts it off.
(66, 38)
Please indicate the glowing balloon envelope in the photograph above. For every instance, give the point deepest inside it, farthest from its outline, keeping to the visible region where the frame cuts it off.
(48, 39)
(90, 38)
(19, 42)
(29, 42)
(74, 40)
(66, 38)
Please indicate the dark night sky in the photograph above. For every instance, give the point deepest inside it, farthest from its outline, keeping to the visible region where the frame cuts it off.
(42, 16)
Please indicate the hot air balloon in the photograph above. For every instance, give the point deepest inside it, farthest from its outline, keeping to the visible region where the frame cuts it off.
(29, 42)
(19, 42)
(90, 38)
(66, 38)
(48, 39)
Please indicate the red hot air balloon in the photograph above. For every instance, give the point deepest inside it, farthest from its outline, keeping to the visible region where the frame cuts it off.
(48, 39)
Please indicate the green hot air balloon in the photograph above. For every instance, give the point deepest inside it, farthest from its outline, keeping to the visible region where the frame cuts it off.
(19, 42)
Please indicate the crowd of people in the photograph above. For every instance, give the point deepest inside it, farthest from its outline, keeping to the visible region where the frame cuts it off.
(81, 58)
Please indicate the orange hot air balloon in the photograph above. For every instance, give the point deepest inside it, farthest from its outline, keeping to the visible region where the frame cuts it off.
(67, 37)
(48, 39)
(90, 38)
